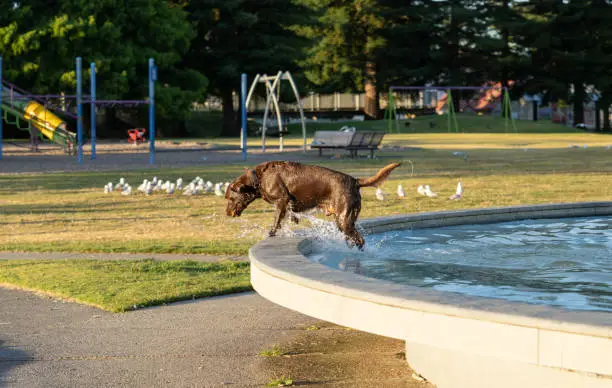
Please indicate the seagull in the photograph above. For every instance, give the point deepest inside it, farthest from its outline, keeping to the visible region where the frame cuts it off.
(158, 186)
(127, 190)
(218, 190)
(208, 187)
(170, 189)
(189, 190)
(380, 195)
(154, 181)
(421, 190)
(148, 190)
(166, 185)
(429, 193)
(121, 184)
(143, 185)
(400, 191)
(179, 184)
(459, 192)
(108, 189)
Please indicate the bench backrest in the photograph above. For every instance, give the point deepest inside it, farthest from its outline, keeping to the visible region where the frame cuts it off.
(348, 139)
(377, 139)
(332, 138)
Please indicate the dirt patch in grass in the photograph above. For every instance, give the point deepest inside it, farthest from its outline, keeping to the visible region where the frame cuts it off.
(336, 356)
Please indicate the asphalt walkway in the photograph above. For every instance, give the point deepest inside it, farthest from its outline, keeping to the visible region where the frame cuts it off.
(212, 342)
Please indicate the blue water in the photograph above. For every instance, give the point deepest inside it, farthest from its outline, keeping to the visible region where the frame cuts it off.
(561, 262)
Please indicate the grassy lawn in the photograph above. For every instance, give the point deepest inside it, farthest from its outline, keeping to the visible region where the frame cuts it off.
(70, 212)
(125, 285)
(475, 132)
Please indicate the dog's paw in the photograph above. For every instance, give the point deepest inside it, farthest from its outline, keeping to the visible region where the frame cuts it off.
(272, 233)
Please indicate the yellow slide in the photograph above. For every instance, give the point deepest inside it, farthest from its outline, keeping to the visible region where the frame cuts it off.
(45, 121)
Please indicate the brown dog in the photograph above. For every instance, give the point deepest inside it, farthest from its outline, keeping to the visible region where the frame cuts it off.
(299, 187)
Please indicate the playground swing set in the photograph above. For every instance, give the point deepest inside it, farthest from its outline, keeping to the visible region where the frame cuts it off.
(273, 85)
(42, 117)
(484, 99)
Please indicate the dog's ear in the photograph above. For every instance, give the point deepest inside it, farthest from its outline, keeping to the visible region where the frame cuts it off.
(252, 177)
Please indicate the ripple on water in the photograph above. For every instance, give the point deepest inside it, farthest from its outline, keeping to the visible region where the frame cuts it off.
(566, 263)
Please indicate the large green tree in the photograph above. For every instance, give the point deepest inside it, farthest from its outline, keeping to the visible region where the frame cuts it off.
(244, 36)
(569, 45)
(347, 42)
(39, 41)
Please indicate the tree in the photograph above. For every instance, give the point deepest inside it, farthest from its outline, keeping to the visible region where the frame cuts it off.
(410, 35)
(244, 36)
(569, 43)
(507, 58)
(347, 41)
(39, 41)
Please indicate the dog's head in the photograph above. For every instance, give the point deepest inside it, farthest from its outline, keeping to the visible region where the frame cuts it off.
(241, 192)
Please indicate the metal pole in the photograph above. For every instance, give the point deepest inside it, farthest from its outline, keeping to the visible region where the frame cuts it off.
(1, 117)
(152, 79)
(243, 96)
(92, 103)
(79, 97)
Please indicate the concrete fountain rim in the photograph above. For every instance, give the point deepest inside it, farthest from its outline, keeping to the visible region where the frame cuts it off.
(285, 258)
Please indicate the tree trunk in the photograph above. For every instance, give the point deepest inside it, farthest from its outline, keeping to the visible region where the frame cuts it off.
(505, 54)
(578, 102)
(605, 107)
(230, 126)
(454, 68)
(371, 92)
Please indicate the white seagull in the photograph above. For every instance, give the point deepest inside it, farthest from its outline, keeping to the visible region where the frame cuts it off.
(170, 189)
(148, 190)
(380, 195)
(458, 193)
(219, 190)
(400, 191)
(127, 190)
(121, 184)
(429, 193)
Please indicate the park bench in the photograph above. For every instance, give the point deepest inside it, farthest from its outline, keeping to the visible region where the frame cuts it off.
(351, 141)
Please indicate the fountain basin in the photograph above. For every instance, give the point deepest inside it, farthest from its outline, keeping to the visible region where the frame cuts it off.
(453, 340)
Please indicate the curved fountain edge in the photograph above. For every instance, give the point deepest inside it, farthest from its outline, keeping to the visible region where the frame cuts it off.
(443, 324)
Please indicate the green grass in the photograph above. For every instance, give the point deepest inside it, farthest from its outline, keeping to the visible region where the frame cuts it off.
(281, 382)
(439, 124)
(68, 212)
(119, 286)
(273, 352)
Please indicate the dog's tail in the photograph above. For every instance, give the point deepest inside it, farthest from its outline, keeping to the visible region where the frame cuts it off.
(380, 177)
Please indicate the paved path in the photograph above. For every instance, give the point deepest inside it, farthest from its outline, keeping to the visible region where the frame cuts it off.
(204, 343)
(114, 256)
(42, 163)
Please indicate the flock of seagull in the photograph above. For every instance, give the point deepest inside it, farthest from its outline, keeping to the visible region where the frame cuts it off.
(148, 187)
(423, 190)
(198, 186)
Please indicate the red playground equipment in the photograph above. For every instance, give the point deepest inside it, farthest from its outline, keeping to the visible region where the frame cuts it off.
(136, 135)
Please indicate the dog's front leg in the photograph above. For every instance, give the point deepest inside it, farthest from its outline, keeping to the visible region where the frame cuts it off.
(281, 211)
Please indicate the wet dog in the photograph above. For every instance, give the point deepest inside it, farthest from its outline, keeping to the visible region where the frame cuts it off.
(300, 187)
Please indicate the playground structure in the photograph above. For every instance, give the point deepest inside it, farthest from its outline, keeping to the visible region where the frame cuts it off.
(439, 99)
(272, 84)
(17, 106)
